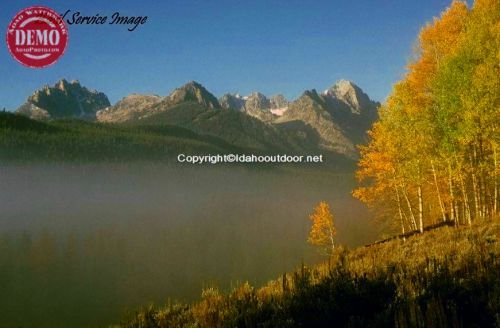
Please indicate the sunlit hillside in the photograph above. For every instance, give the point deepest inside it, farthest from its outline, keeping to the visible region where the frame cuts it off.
(447, 277)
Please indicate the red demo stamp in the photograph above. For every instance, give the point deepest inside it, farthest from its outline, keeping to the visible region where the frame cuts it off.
(37, 37)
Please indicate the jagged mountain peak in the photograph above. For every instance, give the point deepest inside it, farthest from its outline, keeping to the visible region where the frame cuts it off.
(232, 101)
(194, 91)
(311, 95)
(345, 84)
(61, 84)
(278, 101)
(342, 87)
(257, 94)
(64, 99)
(256, 104)
(65, 86)
(257, 101)
(349, 93)
(193, 84)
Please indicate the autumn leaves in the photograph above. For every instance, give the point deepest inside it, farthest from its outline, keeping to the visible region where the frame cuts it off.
(432, 154)
(322, 229)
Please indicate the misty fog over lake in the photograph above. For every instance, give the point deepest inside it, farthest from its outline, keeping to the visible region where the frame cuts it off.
(85, 243)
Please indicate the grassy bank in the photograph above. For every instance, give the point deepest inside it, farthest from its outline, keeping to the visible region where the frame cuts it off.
(443, 278)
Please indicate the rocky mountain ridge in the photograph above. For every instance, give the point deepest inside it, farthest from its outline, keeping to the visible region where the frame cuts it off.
(334, 121)
(64, 100)
(256, 104)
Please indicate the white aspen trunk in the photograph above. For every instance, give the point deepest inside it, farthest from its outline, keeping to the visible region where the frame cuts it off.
(406, 220)
(466, 202)
(453, 211)
(412, 216)
(441, 205)
(477, 211)
(331, 239)
(475, 188)
(484, 196)
(400, 210)
(420, 210)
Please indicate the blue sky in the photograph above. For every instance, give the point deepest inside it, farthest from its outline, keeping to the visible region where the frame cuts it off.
(228, 46)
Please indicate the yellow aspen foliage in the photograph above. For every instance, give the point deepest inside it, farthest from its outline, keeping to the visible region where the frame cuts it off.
(433, 154)
(436, 40)
(322, 229)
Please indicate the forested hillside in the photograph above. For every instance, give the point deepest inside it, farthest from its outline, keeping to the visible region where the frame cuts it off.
(24, 139)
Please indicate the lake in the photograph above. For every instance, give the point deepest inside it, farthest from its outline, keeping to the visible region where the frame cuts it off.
(82, 244)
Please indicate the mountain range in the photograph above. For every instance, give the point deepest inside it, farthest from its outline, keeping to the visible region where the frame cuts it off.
(333, 121)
